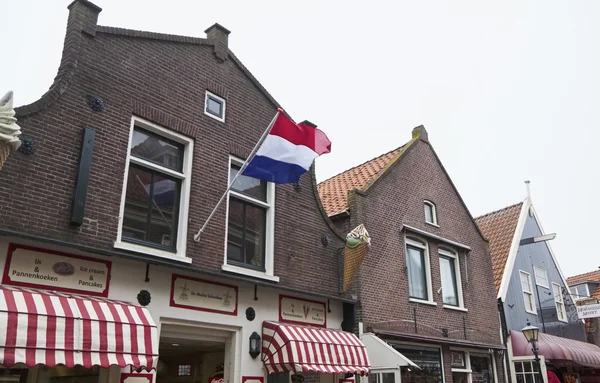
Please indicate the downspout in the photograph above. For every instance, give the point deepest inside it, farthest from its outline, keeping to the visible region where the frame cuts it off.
(503, 338)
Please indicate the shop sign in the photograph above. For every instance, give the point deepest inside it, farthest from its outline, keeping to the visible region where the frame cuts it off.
(197, 294)
(457, 359)
(588, 311)
(252, 379)
(302, 311)
(32, 267)
(136, 378)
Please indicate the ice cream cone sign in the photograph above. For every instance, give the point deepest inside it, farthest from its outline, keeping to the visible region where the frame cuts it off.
(9, 130)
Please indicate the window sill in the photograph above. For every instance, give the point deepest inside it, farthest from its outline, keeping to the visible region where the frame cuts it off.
(531, 312)
(150, 251)
(249, 272)
(209, 114)
(429, 303)
(433, 224)
(455, 308)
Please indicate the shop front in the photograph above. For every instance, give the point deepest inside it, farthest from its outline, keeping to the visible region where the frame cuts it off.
(72, 317)
(571, 361)
(397, 357)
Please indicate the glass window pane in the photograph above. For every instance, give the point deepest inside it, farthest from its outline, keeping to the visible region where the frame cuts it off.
(157, 149)
(448, 276)
(429, 213)
(520, 378)
(151, 207)
(417, 281)
(214, 106)
(373, 378)
(246, 233)
(247, 185)
(387, 377)
(518, 367)
(527, 367)
(528, 301)
(255, 236)
(164, 209)
(481, 365)
(135, 218)
(235, 228)
(429, 362)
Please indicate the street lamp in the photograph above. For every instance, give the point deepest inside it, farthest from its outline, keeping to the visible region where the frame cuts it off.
(531, 334)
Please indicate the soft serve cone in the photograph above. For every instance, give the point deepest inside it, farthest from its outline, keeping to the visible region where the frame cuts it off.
(9, 130)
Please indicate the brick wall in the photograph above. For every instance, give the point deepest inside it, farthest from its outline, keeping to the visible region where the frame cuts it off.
(161, 78)
(397, 199)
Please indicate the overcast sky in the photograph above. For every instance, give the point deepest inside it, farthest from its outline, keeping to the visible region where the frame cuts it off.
(507, 91)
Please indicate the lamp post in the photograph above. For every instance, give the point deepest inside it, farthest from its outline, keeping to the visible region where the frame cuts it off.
(531, 334)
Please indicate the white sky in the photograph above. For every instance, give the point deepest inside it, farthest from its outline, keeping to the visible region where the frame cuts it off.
(508, 91)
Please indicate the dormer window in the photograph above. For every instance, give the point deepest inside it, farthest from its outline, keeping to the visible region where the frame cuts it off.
(430, 213)
(580, 291)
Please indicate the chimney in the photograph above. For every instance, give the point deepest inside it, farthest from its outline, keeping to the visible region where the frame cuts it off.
(83, 16)
(218, 35)
(306, 122)
(421, 133)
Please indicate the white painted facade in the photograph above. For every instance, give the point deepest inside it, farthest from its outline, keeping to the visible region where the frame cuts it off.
(128, 278)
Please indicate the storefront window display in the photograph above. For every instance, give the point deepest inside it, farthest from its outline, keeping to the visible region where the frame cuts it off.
(429, 360)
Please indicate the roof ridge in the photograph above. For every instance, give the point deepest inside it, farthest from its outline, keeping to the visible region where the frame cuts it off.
(499, 210)
(363, 163)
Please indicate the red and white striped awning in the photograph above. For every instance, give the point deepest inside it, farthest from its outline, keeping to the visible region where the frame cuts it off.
(295, 348)
(52, 328)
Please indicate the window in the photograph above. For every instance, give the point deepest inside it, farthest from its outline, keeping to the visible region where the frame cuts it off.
(430, 214)
(419, 276)
(561, 313)
(580, 291)
(526, 372)
(472, 367)
(184, 370)
(541, 278)
(153, 217)
(450, 276)
(428, 359)
(249, 225)
(382, 377)
(214, 106)
(527, 292)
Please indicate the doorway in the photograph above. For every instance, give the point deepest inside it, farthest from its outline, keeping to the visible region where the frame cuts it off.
(193, 355)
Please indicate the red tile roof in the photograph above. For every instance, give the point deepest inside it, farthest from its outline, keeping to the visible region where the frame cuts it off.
(499, 228)
(334, 191)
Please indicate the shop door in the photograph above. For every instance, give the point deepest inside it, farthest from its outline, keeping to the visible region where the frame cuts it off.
(190, 361)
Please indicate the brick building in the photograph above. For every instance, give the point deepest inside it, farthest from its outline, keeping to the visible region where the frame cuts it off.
(425, 286)
(135, 142)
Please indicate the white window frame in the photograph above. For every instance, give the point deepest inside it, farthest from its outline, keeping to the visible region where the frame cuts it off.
(184, 198)
(220, 99)
(526, 359)
(421, 244)
(476, 352)
(562, 302)
(268, 274)
(536, 271)
(576, 295)
(461, 303)
(531, 293)
(433, 213)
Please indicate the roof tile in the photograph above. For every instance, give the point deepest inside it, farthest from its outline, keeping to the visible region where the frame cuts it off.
(499, 228)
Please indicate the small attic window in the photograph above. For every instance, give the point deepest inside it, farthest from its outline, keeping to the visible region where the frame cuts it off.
(430, 213)
(214, 106)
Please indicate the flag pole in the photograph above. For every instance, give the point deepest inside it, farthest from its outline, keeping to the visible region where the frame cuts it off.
(244, 166)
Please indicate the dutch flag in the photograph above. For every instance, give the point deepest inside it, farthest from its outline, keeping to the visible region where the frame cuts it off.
(287, 152)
